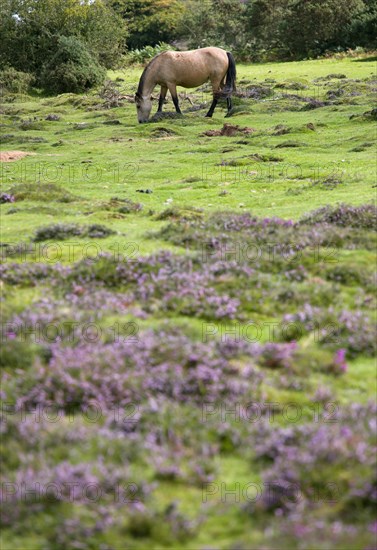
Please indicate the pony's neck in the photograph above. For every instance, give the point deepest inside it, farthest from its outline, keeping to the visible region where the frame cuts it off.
(147, 82)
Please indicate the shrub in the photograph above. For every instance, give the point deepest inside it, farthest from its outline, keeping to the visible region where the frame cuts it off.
(302, 37)
(344, 215)
(149, 21)
(40, 192)
(148, 52)
(61, 231)
(14, 81)
(6, 197)
(29, 31)
(72, 68)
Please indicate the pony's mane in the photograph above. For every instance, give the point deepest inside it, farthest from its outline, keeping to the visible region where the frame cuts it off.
(144, 74)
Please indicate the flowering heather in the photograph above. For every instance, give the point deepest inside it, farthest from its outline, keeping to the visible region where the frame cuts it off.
(34, 488)
(340, 360)
(283, 235)
(61, 231)
(6, 197)
(363, 217)
(238, 222)
(162, 282)
(353, 330)
(318, 453)
(25, 274)
(96, 408)
(48, 319)
(116, 373)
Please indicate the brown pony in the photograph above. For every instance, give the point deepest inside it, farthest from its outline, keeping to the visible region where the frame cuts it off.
(188, 69)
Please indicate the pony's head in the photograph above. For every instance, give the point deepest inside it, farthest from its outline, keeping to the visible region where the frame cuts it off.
(143, 107)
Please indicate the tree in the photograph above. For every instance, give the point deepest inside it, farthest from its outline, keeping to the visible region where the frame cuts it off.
(216, 23)
(312, 26)
(363, 28)
(30, 30)
(72, 68)
(149, 21)
(264, 19)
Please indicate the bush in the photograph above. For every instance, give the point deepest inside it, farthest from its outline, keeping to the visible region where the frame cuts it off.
(40, 192)
(217, 22)
(147, 53)
(14, 81)
(344, 215)
(314, 25)
(363, 29)
(29, 31)
(149, 21)
(61, 231)
(72, 68)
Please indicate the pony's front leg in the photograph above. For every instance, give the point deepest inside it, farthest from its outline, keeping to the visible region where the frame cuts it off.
(164, 91)
(173, 91)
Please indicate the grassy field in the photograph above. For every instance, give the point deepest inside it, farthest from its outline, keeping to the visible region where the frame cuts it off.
(188, 319)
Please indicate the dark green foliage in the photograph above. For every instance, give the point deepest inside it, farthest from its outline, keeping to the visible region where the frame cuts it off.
(258, 30)
(29, 38)
(363, 28)
(16, 354)
(149, 21)
(263, 24)
(14, 81)
(312, 26)
(220, 23)
(61, 231)
(72, 68)
(148, 52)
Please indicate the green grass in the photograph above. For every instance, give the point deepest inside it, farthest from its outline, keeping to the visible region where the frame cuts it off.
(332, 163)
(103, 161)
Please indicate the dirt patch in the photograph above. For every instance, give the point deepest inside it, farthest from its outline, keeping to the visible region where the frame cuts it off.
(290, 144)
(229, 130)
(264, 158)
(254, 92)
(280, 130)
(162, 132)
(157, 117)
(10, 156)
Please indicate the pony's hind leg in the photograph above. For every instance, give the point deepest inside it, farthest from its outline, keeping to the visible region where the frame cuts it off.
(216, 89)
(173, 91)
(229, 105)
(164, 91)
(212, 108)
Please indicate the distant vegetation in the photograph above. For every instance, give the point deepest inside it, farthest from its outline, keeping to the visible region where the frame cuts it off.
(107, 30)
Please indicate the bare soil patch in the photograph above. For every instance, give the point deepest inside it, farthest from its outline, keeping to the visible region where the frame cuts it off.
(229, 130)
(11, 156)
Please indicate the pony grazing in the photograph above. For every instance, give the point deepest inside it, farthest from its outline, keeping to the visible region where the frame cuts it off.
(189, 70)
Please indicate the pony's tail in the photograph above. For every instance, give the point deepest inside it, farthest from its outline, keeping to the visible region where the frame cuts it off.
(230, 83)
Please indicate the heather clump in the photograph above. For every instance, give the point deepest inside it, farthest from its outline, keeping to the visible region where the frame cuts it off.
(41, 192)
(118, 372)
(6, 197)
(352, 330)
(362, 217)
(307, 463)
(278, 236)
(186, 367)
(41, 487)
(26, 273)
(61, 231)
